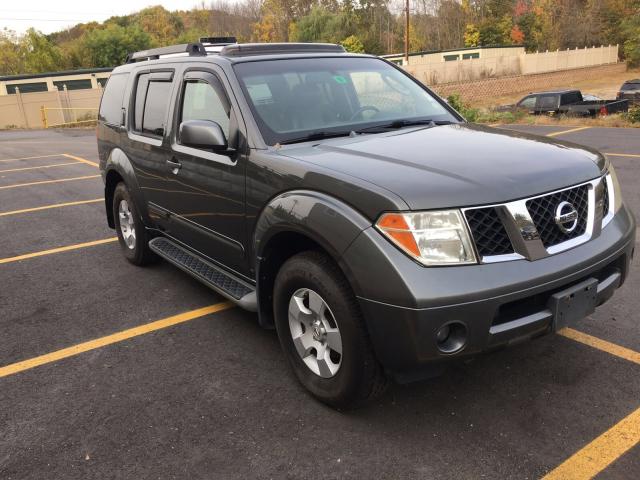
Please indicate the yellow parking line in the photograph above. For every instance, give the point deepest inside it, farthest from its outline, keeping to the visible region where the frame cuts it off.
(600, 453)
(38, 168)
(111, 339)
(632, 155)
(80, 159)
(555, 134)
(57, 250)
(30, 158)
(603, 345)
(48, 181)
(47, 207)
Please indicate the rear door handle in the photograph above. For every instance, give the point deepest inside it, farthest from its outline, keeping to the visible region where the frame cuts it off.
(174, 165)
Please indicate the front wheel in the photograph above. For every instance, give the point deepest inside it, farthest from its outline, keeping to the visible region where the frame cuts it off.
(132, 234)
(322, 332)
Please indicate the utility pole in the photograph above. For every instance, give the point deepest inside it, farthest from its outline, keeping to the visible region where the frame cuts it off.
(406, 33)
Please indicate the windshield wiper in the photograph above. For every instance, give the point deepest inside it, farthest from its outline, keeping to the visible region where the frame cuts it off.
(396, 124)
(316, 136)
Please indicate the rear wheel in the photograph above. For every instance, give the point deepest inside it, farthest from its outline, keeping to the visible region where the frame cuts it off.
(132, 234)
(322, 332)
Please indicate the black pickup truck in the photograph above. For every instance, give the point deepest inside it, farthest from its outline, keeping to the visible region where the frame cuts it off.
(566, 102)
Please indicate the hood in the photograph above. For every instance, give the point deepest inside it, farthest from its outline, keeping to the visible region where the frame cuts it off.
(456, 165)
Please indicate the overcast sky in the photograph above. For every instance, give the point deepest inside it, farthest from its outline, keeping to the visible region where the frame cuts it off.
(49, 16)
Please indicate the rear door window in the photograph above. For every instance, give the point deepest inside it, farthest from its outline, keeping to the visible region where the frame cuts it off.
(153, 92)
(111, 104)
(548, 102)
(154, 118)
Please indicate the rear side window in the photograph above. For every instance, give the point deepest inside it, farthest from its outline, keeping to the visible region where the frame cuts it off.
(155, 108)
(569, 98)
(548, 101)
(153, 93)
(111, 104)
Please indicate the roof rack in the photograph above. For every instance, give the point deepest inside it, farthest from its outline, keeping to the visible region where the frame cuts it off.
(244, 49)
(218, 41)
(193, 49)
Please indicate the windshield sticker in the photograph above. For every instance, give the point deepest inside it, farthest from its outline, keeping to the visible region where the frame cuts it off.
(340, 79)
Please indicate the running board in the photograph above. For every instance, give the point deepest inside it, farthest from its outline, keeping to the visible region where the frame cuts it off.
(212, 276)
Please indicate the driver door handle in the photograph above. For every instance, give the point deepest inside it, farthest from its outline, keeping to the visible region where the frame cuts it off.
(174, 165)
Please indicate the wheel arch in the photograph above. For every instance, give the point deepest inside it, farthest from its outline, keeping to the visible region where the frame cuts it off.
(118, 168)
(294, 222)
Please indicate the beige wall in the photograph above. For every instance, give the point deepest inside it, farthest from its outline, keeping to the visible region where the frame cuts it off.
(24, 110)
(49, 80)
(499, 62)
(565, 59)
(438, 57)
(480, 90)
(465, 70)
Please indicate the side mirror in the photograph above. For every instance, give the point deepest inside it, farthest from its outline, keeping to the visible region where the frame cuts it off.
(202, 134)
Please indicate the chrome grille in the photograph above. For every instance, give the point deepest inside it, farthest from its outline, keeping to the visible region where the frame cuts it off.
(527, 228)
(543, 212)
(488, 232)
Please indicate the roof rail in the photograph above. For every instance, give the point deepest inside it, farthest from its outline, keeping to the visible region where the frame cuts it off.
(218, 40)
(244, 49)
(193, 49)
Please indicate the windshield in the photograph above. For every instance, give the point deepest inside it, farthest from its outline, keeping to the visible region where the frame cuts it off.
(630, 86)
(295, 98)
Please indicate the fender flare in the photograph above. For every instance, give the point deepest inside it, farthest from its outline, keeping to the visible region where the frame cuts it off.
(327, 221)
(119, 162)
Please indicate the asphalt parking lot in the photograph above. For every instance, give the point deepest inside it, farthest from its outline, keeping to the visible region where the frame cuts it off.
(112, 371)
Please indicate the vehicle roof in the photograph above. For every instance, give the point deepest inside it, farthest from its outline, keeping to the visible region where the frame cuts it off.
(549, 92)
(220, 59)
(635, 80)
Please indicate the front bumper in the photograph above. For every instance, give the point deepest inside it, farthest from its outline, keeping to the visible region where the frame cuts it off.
(405, 304)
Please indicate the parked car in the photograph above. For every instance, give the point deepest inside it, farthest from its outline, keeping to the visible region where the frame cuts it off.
(358, 214)
(566, 102)
(630, 90)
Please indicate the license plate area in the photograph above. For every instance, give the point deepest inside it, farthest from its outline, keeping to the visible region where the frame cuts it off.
(574, 303)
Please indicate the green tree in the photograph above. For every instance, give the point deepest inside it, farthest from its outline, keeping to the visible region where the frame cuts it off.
(496, 31)
(322, 25)
(109, 46)
(11, 55)
(631, 31)
(352, 44)
(471, 36)
(40, 54)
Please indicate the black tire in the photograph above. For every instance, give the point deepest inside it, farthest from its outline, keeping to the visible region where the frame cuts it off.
(359, 377)
(140, 254)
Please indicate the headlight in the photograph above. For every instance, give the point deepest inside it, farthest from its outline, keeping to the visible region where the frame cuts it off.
(614, 186)
(432, 238)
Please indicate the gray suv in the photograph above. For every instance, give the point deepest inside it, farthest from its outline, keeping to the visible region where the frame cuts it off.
(358, 214)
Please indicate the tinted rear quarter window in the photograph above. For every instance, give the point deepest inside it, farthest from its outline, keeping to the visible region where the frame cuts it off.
(111, 104)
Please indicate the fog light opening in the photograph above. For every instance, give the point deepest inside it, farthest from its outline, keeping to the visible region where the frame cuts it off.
(451, 337)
